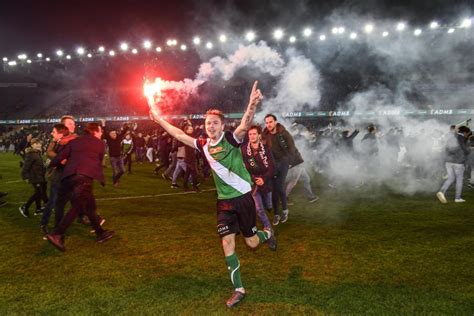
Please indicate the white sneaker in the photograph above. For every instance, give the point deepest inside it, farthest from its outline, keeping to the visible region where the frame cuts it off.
(441, 197)
(459, 200)
(284, 216)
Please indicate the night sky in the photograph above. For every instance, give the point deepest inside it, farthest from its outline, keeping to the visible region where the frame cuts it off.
(33, 26)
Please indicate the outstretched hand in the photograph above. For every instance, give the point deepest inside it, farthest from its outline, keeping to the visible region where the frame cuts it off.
(256, 95)
(154, 115)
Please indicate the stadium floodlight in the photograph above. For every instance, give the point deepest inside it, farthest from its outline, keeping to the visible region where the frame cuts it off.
(124, 47)
(22, 56)
(209, 45)
(223, 38)
(112, 53)
(451, 30)
(5, 59)
(12, 63)
(250, 36)
(466, 23)
(417, 32)
(101, 49)
(322, 37)
(158, 49)
(341, 30)
(434, 25)
(48, 59)
(60, 53)
(292, 39)
(135, 51)
(385, 34)
(335, 30)
(196, 40)
(307, 32)
(68, 56)
(81, 51)
(368, 28)
(146, 44)
(401, 26)
(174, 42)
(353, 35)
(183, 47)
(29, 61)
(278, 34)
(39, 55)
(89, 55)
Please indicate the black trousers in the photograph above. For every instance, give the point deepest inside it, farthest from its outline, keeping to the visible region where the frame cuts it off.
(127, 161)
(82, 200)
(38, 196)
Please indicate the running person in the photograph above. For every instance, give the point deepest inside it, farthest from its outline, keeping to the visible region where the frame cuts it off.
(235, 206)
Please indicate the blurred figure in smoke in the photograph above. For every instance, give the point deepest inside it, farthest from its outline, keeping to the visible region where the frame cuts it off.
(457, 151)
(283, 149)
(140, 149)
(347, 141)
(259, 162)
(470, 161)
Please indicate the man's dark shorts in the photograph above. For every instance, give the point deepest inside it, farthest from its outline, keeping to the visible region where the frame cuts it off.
(237, 215)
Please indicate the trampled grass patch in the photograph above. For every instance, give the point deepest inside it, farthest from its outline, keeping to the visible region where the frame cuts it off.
(354, 251)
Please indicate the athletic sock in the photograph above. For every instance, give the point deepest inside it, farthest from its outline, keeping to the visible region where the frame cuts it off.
(263, 236)
(233, 265)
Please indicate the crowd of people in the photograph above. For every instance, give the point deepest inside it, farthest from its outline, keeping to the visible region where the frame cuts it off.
(254, 167)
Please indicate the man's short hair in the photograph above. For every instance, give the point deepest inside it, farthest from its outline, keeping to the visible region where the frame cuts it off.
(271, 115)
(215, 112)
(66, 117)
(91, 128)
(464, 129)
(61, 129)
(256, 127)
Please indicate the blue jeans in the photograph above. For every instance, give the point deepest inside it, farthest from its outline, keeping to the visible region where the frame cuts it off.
(262, 200)
(118, 168)
(180, 165)
(281, 171)
(53, 194)
(455, 173)
(294, 175)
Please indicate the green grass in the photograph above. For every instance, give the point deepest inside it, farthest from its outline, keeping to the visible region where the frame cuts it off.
(364, 251)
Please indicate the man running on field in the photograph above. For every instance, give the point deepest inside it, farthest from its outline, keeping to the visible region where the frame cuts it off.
(235, 206)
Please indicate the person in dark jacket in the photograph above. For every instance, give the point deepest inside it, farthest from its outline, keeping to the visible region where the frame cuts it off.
(457, 151)
(283, 149)
(84, 165)
(34, 173)
(114, 143)
(191, 163)
(140, 148)
(164, 149)
(127, 150)
(259, 162)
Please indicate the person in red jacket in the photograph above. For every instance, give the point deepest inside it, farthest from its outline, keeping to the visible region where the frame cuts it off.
(84, 164)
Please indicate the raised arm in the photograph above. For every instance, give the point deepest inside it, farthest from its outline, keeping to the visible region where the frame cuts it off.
(255, 98)
(172, 130)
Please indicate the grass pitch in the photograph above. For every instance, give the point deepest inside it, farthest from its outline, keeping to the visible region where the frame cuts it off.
(363, 251)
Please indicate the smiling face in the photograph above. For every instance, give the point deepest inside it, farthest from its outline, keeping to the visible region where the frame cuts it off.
(214, 126)
(70, 124)
(254, 136)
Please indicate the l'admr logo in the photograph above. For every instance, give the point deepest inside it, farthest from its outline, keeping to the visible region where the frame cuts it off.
(222, 227)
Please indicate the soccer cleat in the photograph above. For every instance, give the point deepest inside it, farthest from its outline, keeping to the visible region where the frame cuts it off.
(284, 216)
(106, 235)
(174, 186)
(57, 241)
(235, 299)
(24, 211)
(272, 243)
(441, 197)
(459, 201)
(312, 200)
(38, 211)
(276, 220)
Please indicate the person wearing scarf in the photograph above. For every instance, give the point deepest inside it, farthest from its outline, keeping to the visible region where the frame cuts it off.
(259, 162)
